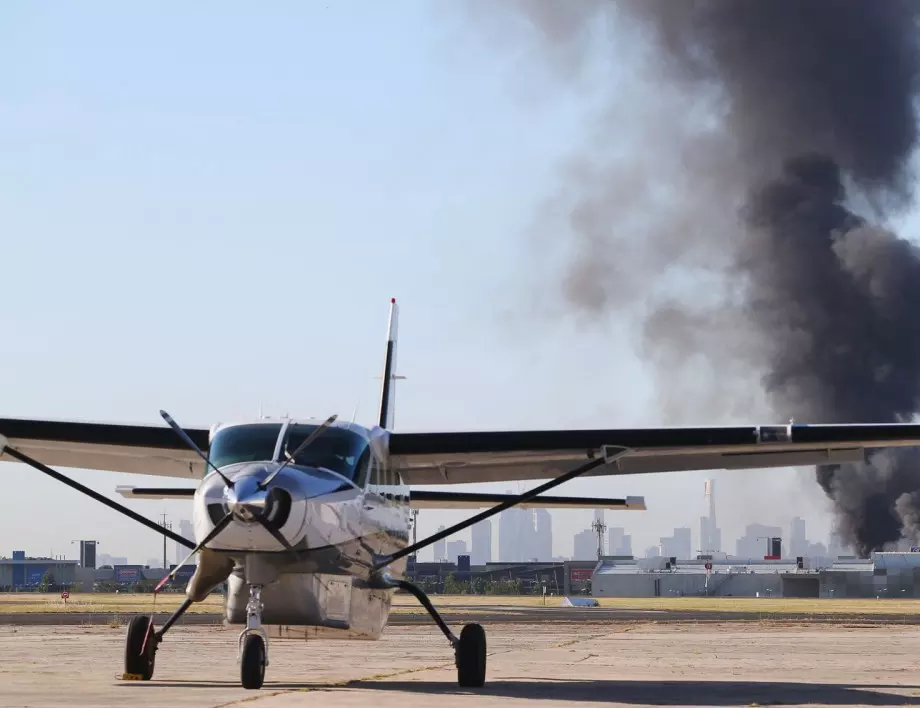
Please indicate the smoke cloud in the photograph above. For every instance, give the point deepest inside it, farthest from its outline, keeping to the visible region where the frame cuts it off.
(768, 196)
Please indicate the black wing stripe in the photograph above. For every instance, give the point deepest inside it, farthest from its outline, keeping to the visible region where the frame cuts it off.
(432, 497)
(98, 434)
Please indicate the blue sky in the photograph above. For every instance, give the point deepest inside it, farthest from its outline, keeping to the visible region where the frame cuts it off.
(207, 211)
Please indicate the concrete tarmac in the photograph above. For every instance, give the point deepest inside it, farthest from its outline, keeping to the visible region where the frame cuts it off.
(617, 663)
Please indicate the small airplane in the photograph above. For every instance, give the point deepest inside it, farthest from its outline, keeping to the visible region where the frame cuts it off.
(308, 521)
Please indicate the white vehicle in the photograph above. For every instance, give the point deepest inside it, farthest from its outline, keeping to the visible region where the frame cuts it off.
(309, 521)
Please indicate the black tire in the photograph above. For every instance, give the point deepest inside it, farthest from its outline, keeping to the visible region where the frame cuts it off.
(471, 657)
(252, 665)
(140, 659)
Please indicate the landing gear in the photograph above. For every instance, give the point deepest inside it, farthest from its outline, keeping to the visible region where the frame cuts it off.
(253, 643)
(471, 656)
(140, 649)
(469, 648)
(142, 643)
(252, 662)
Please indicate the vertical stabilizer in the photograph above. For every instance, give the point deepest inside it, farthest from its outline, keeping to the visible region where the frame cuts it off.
(388, 388)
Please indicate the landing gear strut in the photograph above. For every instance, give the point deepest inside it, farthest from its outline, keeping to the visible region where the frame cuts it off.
(253, 656)
(469, 647)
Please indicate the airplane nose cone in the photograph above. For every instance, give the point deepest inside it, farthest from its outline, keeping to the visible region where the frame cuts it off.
(245, 500)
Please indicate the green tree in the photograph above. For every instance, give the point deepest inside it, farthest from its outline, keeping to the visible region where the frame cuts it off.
(452, 586)
(47, 581)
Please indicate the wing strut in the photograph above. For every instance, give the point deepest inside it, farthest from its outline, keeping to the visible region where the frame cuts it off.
(609, 454)
(25, 459)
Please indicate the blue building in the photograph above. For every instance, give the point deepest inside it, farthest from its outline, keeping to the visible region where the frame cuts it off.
(20, 572)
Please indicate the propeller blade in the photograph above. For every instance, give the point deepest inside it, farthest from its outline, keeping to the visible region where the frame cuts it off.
(300, 448)
(221, 525)
(191, 443)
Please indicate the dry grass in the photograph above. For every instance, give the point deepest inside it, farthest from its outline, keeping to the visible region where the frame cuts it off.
(131, 603)
(128, 603)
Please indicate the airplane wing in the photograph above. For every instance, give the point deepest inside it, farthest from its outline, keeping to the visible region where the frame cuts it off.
(138, 449)
(476, 457)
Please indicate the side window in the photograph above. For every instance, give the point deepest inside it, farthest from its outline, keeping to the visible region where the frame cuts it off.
(365, 467)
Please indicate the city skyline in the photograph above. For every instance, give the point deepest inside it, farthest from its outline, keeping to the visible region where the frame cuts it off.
(527, 534)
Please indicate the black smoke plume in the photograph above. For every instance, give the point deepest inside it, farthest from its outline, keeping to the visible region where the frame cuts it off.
(815, 103)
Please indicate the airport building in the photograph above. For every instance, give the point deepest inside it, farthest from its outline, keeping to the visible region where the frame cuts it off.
(22, 573)
(883, 575)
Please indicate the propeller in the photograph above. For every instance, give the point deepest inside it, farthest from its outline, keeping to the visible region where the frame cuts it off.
(191, 443)
(248, 501)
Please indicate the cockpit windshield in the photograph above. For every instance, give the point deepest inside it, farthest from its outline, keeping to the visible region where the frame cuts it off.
(336, 449)
(245, 443)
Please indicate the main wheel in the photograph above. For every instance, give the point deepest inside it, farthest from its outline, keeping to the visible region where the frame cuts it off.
(471, 656)
(140, 647)
(252, 666)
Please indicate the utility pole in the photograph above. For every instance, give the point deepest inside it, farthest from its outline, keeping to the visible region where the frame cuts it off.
(599, 528)
(166, 525)
(414, 526)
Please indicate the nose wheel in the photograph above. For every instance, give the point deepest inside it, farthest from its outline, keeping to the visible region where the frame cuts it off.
(253, 643)
(252, 662)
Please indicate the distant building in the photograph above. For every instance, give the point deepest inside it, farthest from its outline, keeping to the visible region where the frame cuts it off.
(455, 549)
(28, 573)
(186, 530)
(516, 535)
(677, 546)
(798, 542)
(543, 536)
(481, 551)
(106, 559)
(88, 554)
(585, 546)
(710, 533)
(619, 543)
(439, 549)
(754, 542)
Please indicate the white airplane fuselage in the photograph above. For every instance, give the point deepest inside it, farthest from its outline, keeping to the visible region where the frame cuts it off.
(339, 507)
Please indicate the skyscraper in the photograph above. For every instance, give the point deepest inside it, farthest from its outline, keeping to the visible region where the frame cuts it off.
(798, 543)
(481, 552)
(585, 547)
(516, 535)
(186, 530)
(710, 533)
(543, 536)
(619, 543)
(439, 548)
(677, 546)
(455, 549)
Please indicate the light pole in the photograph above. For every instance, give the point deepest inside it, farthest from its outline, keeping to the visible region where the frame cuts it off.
(166, 525)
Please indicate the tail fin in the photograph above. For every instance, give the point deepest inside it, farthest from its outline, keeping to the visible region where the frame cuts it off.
(388, 389)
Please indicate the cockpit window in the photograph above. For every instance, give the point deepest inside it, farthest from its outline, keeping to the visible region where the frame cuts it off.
(336, 449)
(244, 443)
